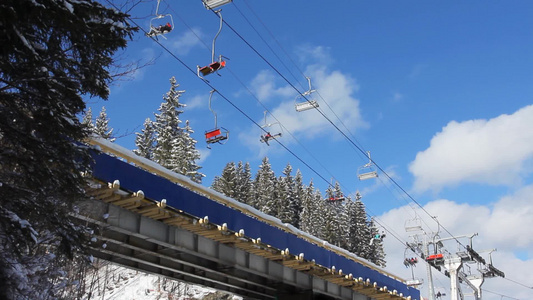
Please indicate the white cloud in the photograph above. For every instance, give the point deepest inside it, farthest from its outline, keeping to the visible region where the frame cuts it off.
(335, 87)
(496, 151)
(197, 101)
(186, 41)
(263, 85)
(204, 154)
(397, 97)
(506, 226)
(308, 53)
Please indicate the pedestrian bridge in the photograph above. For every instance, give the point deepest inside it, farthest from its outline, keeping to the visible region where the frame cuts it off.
(151, 219)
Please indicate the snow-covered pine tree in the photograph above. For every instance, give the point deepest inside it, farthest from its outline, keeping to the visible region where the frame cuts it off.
(145, 140)
(334, 230)
(88, 120)
(330, 225)
(264, 188)
(174, 148)
(376, 253)
(167, 126)
(52, 52)
(298, 195)
(190, 155)
(226, 182)
(358, 228)
(285, 195)
(309, 207)
(290, 202)
(101, 126)
(244, 183)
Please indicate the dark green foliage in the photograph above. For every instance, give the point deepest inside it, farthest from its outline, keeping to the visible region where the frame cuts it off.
(51, 53)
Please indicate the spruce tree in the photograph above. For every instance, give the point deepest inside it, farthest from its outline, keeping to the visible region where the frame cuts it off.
(226, 182)
(101, 126)
(359, 232)
(88, 120)
(264, 188)
(52, 52)
(297, 200)
(376, 253)
(308, 222)
(173, 146)
(244, 183)
(145, 140)
(167, 125)
(190, 155)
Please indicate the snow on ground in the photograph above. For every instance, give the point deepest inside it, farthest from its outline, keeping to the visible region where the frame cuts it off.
(112, 282)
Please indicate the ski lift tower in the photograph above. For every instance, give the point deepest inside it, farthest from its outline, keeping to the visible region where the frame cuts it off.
(421, 245)
(461, 258)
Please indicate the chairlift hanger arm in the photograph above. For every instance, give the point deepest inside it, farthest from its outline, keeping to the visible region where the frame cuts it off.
(457, 237)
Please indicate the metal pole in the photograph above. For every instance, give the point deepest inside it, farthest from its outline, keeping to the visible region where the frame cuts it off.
(431, 288)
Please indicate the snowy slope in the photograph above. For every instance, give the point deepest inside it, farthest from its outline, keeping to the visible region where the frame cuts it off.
(112, 282)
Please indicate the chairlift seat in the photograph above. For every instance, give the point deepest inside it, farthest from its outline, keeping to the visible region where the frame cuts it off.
(435, 257)
(307, 105)
(211, 68)
(162, 29)
(414, 282)
(266, 138)
(212, 4)
(334, 199)
(413, 225)
(368, 175)
(215, 135)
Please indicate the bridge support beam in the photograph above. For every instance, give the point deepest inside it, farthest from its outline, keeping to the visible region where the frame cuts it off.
(152, 246)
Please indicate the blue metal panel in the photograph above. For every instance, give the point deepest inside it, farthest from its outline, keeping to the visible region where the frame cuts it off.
(108, 168)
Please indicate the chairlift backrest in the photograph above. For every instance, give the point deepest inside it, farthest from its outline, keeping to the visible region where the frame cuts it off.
(413, 225)
(271, 126)
(368, 170)
(213, 133)
(216, 135)
(367, 175)
(305, 104)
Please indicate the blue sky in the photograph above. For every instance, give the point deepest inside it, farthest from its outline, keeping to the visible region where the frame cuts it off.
(439, 92)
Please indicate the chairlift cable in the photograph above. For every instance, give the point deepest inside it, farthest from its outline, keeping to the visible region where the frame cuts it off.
(290, 151)
(257, 99)
(227, 100)
(254, 122)
(487, 291)
(361, 149)
(288, 131)
(264, 41)
(297, 67)
(519, 283)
